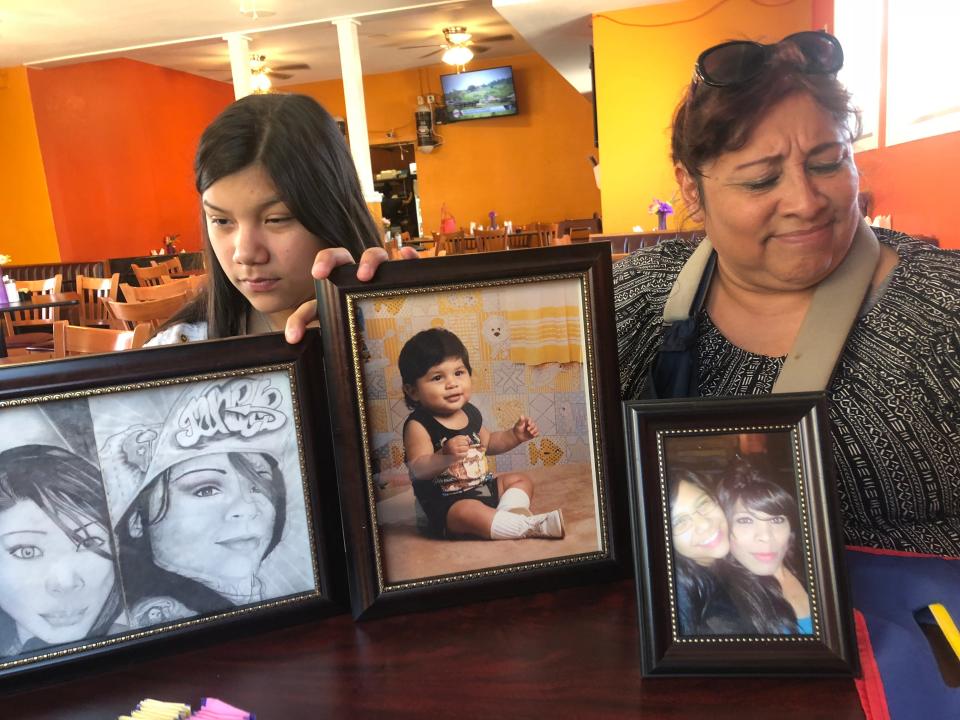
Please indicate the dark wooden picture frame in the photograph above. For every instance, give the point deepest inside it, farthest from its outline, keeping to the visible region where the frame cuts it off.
(170, 492)
(457, 291)
(735, 526)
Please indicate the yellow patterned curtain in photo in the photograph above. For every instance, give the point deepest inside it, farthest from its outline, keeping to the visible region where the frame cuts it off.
(545, 323)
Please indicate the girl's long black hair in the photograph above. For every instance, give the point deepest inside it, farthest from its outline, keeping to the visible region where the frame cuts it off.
(303, 151)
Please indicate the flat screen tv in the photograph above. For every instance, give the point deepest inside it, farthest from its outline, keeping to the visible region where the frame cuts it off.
(479, 94)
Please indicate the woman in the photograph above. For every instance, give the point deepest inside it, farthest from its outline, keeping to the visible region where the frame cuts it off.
(277, 184)
(765, 161)
(199, 501)
(713, 595)
(763, 518)
(58, 580)
(763, 155)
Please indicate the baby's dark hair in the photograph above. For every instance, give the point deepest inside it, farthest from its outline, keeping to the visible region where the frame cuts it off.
(426, 349)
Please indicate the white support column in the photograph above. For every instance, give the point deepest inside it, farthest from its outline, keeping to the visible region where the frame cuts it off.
(356, 110)
(239, 47)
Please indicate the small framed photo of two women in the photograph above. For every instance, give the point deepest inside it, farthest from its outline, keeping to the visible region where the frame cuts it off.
(182, 494)
(476, 422)
(738, 547)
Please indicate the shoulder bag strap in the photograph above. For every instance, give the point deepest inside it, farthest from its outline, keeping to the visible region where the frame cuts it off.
(829, 319)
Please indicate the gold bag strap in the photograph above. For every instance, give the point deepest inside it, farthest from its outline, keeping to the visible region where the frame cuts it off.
(832, 312)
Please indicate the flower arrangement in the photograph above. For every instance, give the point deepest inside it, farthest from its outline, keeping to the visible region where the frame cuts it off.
(660, 208)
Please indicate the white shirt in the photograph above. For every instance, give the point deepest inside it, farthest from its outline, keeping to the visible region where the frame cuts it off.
(179, 333)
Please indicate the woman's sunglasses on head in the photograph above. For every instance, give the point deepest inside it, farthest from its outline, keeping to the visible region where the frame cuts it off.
(736, 62)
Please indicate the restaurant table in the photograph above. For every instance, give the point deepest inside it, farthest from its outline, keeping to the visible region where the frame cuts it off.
(36, 302)
(570, 653)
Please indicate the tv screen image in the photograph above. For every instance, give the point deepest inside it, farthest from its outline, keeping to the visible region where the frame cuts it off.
(479, 94)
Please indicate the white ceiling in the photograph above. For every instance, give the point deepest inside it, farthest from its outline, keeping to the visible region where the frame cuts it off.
(187, 35)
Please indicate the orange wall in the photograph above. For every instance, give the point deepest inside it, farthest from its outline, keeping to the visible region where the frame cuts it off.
(527, 168)
(26, 233)
(641, 73)
(118, 138)
(910, 182)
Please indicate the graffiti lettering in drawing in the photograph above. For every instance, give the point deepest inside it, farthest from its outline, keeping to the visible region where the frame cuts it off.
(243, 406)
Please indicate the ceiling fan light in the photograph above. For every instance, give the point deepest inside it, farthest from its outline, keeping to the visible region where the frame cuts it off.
(457, 55)
(261, 82)
(459, 38)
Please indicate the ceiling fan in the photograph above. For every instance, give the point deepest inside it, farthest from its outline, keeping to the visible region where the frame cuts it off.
(456, 36)
(258, 67)
(258, 64)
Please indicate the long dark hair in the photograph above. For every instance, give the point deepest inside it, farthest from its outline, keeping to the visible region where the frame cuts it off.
(67, 488)
(742, 481)
(759, 605)
(303, 151)
(142, 578)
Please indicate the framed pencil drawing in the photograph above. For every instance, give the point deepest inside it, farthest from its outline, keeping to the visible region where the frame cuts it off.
(155, 493)
(738, 550)
(474, 426)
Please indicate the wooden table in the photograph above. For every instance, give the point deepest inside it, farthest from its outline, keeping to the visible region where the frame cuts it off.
(36, 302)
(565, 654)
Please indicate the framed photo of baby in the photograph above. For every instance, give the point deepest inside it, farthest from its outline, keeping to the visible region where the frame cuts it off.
(477, 459)
(161, 504)
(738, 547)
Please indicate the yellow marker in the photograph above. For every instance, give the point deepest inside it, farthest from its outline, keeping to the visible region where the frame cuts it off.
(947, 626)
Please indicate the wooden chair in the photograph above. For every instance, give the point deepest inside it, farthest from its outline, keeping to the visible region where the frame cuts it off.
(547, 233)
(149, 275)
(91, 289)
(491, 240)
(32, 324)
(561, 240)
(196, 283)
(154, 312)
(173, 265)
(77, 340)
(446, 241)
(134, 294)
(459, 244)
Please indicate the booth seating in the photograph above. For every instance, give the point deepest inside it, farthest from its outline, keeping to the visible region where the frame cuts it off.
(68, 271)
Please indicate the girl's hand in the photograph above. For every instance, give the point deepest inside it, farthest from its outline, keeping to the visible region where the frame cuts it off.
(525, 429)
(323, 265)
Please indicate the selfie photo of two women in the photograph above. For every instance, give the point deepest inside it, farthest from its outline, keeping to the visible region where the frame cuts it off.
(132, 510)
(738, 541)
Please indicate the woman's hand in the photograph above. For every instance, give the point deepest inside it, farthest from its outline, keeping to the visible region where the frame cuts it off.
(323, 265)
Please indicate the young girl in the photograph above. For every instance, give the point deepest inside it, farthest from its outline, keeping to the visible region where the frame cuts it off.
(277, 185)
(446, 447)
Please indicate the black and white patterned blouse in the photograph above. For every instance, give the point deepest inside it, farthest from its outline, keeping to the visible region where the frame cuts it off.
(894, 401)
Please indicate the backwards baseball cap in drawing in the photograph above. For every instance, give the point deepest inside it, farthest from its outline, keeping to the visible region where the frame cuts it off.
(240, 414)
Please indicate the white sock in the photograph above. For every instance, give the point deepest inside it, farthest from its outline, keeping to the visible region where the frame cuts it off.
(514, 498)
(508, 526)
